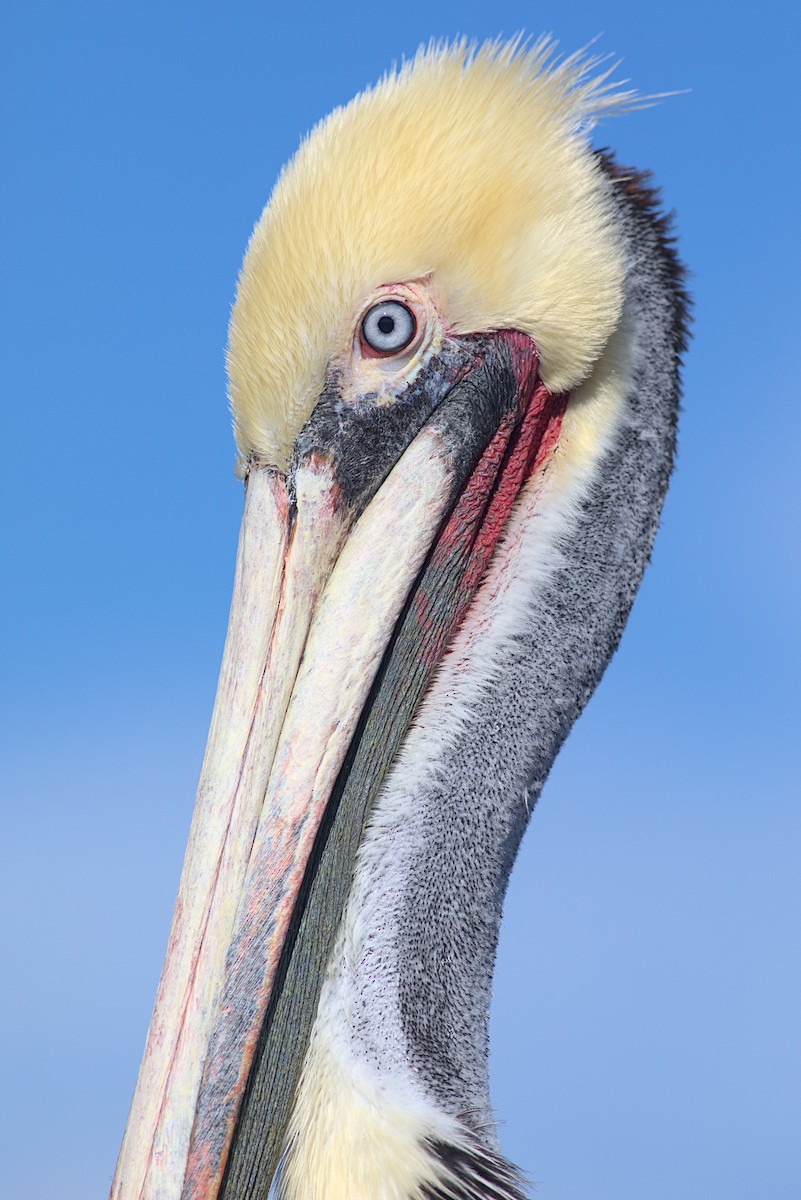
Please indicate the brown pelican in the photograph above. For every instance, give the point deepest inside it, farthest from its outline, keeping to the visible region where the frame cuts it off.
(453, 372)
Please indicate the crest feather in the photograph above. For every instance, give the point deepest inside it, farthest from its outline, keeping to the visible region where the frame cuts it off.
(468, 166)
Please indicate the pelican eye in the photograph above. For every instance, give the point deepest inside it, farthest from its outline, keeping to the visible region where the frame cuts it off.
(388, 327)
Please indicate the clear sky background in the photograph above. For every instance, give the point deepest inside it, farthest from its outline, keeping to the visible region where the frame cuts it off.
(647, 1013)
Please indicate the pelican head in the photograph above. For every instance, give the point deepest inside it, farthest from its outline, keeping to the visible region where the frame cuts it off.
(453, 370)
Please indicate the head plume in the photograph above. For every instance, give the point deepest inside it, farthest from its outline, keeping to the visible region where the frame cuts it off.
(467, 166)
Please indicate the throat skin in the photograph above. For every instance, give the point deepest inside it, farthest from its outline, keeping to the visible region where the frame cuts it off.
(497, 444)
(397, 1063)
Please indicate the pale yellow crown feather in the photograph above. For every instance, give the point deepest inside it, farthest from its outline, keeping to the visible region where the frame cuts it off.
(467, 166)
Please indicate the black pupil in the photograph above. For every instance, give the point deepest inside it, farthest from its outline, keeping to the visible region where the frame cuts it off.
(386, 324)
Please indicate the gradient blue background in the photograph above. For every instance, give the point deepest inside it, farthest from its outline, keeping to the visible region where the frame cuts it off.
(648, 996)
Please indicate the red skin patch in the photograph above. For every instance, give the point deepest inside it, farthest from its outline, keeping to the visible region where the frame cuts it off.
(522, 443)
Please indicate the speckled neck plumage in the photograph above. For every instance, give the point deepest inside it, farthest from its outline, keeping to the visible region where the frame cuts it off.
(401, 1035)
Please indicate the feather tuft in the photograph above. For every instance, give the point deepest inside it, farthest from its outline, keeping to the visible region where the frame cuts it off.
(468, 166)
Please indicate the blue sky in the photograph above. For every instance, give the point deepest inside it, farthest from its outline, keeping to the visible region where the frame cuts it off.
(646, 1041)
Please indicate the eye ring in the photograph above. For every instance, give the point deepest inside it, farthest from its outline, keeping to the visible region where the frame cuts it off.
(388, 328)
